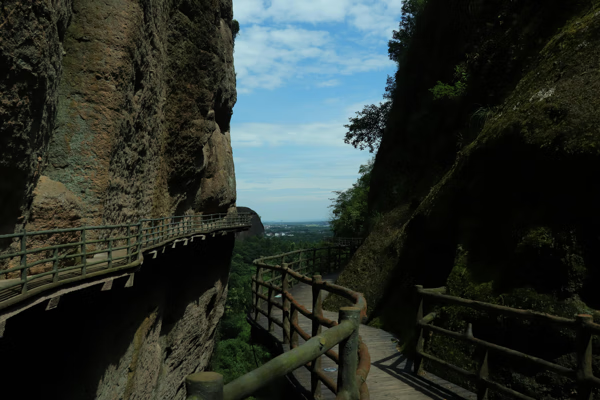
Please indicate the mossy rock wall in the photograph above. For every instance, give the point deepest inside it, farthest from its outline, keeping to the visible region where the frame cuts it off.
(513, 219)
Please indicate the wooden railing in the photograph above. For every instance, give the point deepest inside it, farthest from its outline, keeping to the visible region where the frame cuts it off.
(341, 241)
(583, 325)
(353, 360)
(33, 262)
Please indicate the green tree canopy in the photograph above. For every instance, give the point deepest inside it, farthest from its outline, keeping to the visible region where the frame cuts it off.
(349, 209)
(401, 38)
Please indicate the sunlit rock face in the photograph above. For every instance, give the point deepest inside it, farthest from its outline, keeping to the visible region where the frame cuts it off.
(112, 111)
(126, 104)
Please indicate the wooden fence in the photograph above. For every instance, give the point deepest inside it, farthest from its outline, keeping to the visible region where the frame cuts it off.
(34, 262)
(353, 361)
(583, 325)
(340, 241)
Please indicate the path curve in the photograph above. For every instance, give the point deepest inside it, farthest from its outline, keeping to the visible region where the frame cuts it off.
(391, 375)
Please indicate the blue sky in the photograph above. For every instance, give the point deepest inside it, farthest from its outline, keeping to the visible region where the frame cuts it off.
(303, 68)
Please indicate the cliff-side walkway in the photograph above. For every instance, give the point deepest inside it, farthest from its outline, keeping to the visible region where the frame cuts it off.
(391, 375)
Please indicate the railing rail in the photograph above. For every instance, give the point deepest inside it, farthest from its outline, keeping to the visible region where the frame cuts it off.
(353, 361)
(42, 260)
(343, 241)
(583, 324)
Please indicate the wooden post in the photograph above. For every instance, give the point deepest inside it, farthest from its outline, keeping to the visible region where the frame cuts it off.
(584, 357)
(418, 368)
(258, 290)
(317, 310)
(55, 266)
(204, 386)
(128, 243)
(139, 239)
(482, 387)
(24, 262)
(293, 332)
(286, 305)
(83, 253)
(270, 309)
(110, 255)
(348, 365)
(482, 372)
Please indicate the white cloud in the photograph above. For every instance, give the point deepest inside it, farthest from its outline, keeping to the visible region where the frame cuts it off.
(318, 134)
(367, 16)
(266, 57)
(329, 83)
(312, 11)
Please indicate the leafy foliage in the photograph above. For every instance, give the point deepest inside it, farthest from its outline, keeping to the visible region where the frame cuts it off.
(401, 38)
(350, 214)
(444, 90)
(235, 353)
(235, 29)
(366, 129)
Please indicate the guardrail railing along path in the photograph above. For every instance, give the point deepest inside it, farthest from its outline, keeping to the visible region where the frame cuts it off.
(276, 276)
(583, 325)
(34, 262)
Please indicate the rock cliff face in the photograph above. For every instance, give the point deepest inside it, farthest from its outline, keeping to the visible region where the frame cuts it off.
(111, 112)
(257, 228)
(125, 343)
(121, 108)
(503, 209)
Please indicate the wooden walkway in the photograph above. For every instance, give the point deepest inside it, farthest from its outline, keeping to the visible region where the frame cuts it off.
(391, 375)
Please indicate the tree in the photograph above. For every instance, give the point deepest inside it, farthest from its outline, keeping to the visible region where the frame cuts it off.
(366, 129)
(401, 38)
(235, 29)
(350, 214)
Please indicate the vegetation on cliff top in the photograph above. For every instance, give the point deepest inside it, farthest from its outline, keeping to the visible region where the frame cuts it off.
(484, 181)
(349, 214)
(235, 352)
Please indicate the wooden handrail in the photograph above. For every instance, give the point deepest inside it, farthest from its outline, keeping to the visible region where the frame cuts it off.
(583, 324)
(76, 245)
(302, 260)
(208, 385)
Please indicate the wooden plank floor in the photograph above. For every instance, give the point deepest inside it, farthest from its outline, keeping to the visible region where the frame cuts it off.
(391, 375)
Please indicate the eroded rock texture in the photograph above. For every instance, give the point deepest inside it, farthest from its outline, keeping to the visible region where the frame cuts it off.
(125, 104)
(126, 343)
(112, 111)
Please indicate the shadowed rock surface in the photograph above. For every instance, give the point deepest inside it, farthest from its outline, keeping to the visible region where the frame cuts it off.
(502, 210)
(257, 228)
(126, 343)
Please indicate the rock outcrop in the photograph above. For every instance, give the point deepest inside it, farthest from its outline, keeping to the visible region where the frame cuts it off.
(510, 215)
(111, 112)
(257, 228)
(127, 105)
(136, 342)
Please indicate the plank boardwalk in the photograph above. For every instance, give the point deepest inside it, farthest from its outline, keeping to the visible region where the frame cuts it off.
(391, 375)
